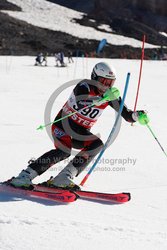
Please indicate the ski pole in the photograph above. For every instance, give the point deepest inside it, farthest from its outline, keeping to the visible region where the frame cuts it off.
(109, 96)
(140, 72)
(111, 133)
(148, 126)
(144, 120)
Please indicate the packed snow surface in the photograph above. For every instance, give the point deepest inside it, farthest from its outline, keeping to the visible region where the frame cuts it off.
(133, 163)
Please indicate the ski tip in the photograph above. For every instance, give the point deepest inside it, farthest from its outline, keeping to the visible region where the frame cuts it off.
(129, 196)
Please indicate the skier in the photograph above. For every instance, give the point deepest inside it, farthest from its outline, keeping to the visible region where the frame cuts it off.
(59, 57)
(74, 131)
(39, 59)
(70, 59)
(45, 60)
(62, 59)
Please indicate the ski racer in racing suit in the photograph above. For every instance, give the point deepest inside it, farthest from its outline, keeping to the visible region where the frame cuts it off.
(74, 131)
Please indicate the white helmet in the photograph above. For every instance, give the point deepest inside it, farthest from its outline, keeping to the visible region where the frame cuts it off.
(103, 70)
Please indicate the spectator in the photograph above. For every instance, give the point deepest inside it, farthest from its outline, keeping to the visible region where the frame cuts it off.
(70, 59)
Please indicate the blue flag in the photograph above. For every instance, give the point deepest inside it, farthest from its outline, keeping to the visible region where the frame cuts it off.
(101, 45)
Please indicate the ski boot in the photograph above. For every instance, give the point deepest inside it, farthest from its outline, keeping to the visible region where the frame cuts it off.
(64, 179)
(24, 179)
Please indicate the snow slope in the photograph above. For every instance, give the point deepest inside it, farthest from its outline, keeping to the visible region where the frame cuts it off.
(52, 16)
(134, 163)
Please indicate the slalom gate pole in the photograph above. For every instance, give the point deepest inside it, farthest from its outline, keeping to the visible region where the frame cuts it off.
(111, 133)
(75, 64)
(140, 72)
(148, 126)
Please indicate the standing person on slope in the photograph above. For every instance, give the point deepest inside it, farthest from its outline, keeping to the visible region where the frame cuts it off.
(74, 131)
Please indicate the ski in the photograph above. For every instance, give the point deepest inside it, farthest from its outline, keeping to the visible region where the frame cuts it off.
(117, 198)
(65, 196)
(90, 195)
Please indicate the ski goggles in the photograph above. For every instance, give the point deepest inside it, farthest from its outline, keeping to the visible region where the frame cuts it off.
(106, 82)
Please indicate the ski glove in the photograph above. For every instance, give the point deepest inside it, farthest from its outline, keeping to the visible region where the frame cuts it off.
(110, 95)
(141, 117)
